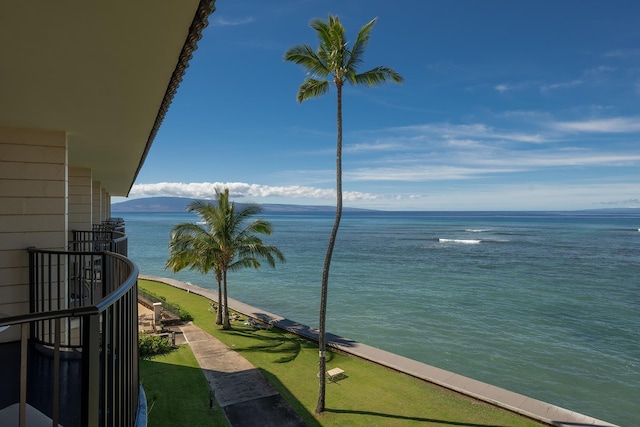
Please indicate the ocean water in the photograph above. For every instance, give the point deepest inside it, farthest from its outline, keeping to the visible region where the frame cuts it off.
(543, 304)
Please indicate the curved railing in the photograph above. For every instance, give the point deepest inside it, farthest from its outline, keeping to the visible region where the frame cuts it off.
(87, 345)
(99, 240)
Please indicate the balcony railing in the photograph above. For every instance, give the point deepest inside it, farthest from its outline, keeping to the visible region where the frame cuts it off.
(78, 362)
(114, 224)
(101, 238)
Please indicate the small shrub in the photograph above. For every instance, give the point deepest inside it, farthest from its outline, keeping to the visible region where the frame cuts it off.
(185, 316)
(152, 345)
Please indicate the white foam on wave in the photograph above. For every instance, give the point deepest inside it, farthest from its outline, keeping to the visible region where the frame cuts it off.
(477, 230)
(463, 241)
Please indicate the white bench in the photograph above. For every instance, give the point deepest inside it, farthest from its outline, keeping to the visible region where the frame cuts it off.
(335, 373)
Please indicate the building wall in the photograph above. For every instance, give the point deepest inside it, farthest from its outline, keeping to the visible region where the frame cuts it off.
(97, 202)
(80, 199)
(33, 207)
(105, 205)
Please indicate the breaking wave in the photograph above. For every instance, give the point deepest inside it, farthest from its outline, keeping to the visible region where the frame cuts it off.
(462, 241)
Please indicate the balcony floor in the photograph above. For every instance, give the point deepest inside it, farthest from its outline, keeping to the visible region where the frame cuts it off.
(40, 380)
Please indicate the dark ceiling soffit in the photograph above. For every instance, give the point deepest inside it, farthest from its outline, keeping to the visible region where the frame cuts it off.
(199, 23)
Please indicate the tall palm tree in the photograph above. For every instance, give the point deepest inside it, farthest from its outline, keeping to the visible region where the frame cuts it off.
(226, 242)
(334, 62)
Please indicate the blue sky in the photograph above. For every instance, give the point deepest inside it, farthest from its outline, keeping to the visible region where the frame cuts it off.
(506, 105)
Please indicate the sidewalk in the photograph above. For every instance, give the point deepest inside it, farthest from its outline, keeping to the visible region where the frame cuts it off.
(532, 408)
(243, 393)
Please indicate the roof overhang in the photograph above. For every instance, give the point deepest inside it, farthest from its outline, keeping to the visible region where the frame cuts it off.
(103, 72)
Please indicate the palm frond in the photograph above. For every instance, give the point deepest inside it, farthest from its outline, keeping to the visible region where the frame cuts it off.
(305, 56)
(190, 247)
(312, 88)
(360, 45)
(375, 76)
(323, 30)
(244, 262)
(332, 44)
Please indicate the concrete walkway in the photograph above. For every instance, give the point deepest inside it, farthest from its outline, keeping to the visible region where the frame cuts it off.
(536, 409)
(240, 389)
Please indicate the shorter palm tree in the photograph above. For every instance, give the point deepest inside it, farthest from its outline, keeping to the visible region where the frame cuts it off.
(193, 246)
(227, 241)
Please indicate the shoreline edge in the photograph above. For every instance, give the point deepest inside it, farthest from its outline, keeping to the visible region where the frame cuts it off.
(514, 402)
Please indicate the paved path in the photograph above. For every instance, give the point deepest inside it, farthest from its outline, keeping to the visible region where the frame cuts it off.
(518, 403)
(243, 393)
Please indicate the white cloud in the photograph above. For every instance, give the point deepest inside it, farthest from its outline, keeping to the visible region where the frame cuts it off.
(525, 196)
(596, 71)
(422, 173)
(507, 87)
(561, 85)
(503, 88)
(529, 161)
(223, 22)
(473, 131)
(612, 125)
(207, 190)
(375, 146)
(510, 196)
(622, 53)
(477, 165)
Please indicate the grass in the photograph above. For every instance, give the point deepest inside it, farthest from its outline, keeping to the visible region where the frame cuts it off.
(369, 395)
(177, 391)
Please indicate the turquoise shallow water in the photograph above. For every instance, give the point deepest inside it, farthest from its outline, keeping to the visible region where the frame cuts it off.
(544, 304)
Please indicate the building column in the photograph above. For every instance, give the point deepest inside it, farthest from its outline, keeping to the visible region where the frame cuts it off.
(33, 207)
(105, 205)
(80, 199)
(96, 202)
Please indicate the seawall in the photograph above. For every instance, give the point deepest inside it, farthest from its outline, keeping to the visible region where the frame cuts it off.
(532, 408)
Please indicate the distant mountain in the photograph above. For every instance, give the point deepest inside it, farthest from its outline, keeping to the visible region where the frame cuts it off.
(179, 204)
(152, 204)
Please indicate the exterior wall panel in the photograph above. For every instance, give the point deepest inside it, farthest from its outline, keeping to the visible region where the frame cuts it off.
(33, 212)
(80, 201)
(97, 202)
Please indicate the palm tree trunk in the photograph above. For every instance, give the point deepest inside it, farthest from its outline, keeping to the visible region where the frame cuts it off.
(219, 311)
(225, 310)
(322, 345)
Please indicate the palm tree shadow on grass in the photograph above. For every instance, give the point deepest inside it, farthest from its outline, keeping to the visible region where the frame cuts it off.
(404, 417)
(308, 418)
(276, 342)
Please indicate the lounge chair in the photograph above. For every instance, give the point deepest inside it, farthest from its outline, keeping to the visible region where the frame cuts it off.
(335, 374)
(259, 324)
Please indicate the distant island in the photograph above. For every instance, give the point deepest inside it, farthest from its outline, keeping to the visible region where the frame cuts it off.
(179, 204)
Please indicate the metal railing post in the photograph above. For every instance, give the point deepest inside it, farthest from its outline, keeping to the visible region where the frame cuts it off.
(91, 371)
(24, 337)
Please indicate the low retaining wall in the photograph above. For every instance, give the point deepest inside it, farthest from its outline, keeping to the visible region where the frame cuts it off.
(518, 403)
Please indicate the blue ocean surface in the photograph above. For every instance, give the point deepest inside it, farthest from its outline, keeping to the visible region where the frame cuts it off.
(546, 304)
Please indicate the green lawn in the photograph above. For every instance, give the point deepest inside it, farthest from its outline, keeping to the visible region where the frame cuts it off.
(369, 395)
(177, 391)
